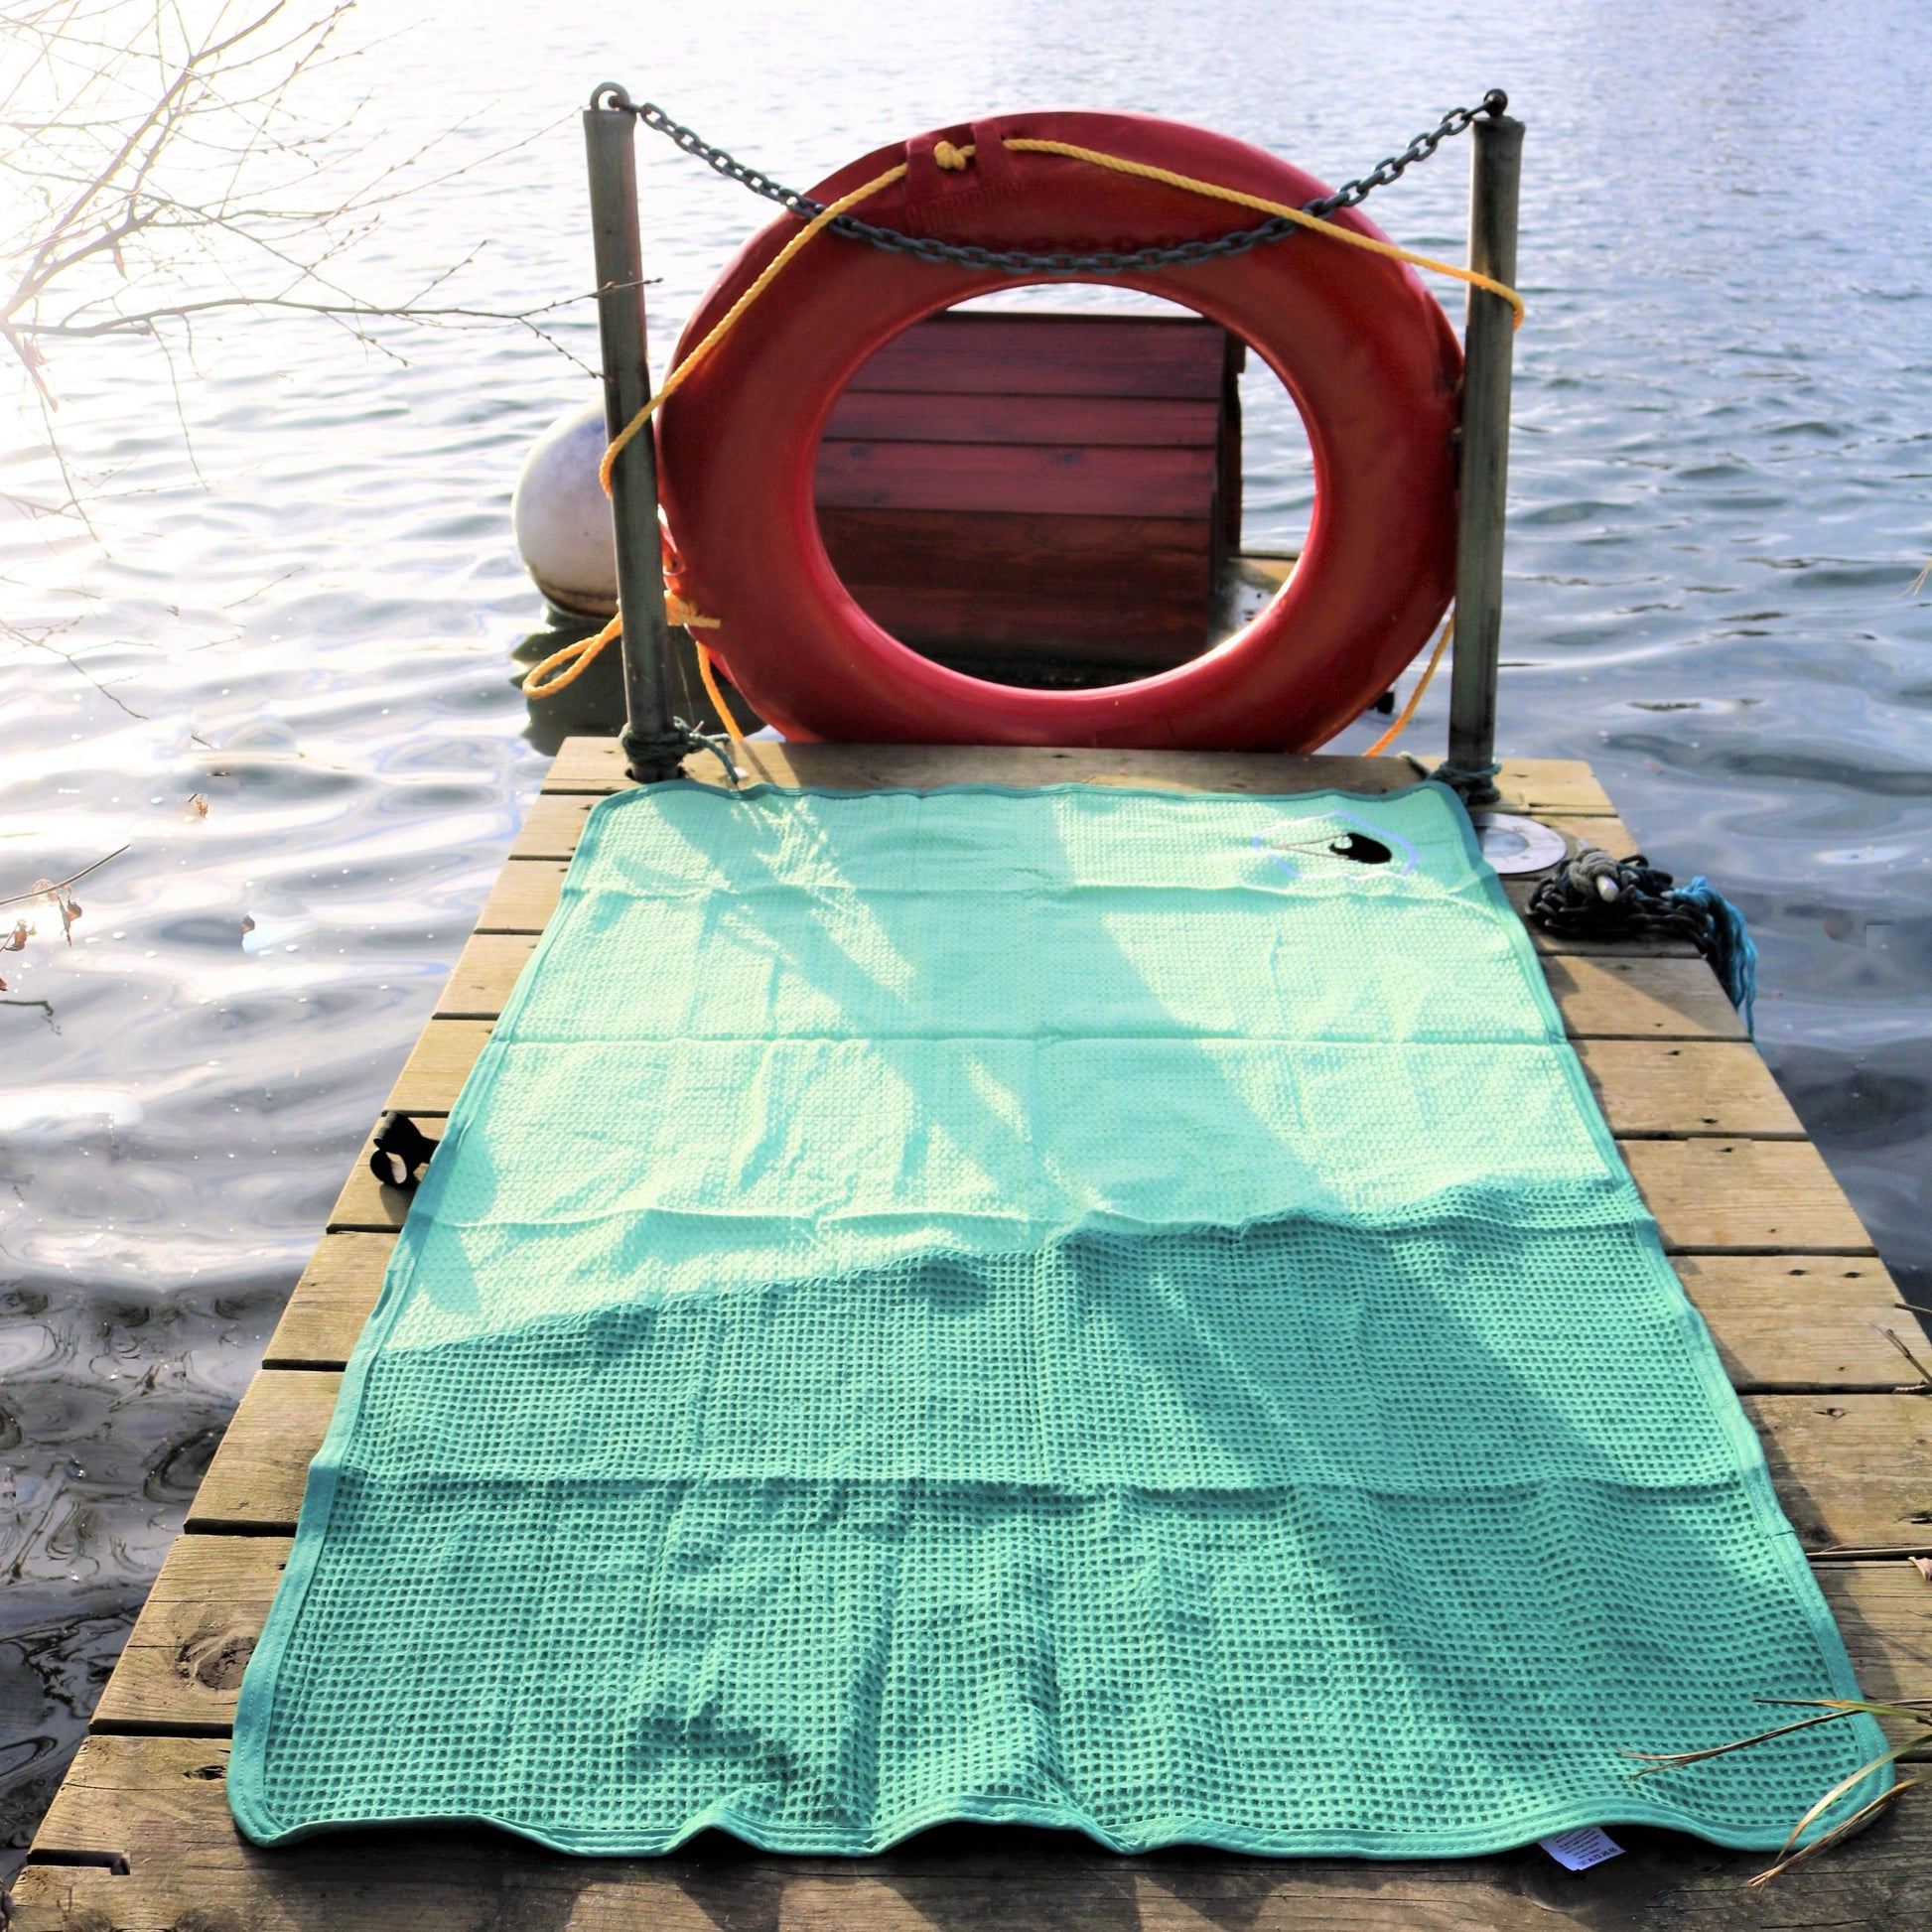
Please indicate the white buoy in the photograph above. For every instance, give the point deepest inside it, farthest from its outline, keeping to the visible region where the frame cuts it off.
(562, 516)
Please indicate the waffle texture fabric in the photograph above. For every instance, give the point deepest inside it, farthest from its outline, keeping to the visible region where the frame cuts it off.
(1088, 1308)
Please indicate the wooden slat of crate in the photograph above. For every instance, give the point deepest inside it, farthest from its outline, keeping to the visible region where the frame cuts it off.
(1651, 1088)
(1021, 480)
(1853, 1472)
(937, 416)
(1050, 356)
(1027, 556)
(1033, 491)
(156, 1809)
(1128, 634)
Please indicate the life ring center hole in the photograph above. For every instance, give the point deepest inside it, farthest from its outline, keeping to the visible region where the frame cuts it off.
(1064, 486)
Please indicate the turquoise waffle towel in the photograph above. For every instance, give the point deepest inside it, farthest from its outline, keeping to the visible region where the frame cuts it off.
(1090, 1307)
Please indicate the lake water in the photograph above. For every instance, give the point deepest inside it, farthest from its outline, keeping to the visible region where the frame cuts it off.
(1719, 507)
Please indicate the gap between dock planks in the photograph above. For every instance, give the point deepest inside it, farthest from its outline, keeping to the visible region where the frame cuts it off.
(1767, 1247)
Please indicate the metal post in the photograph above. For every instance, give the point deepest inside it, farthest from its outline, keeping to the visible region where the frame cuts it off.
(1496, 173)
(652, 745)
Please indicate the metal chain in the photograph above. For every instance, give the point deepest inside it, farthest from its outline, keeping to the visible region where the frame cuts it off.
(1020, 262)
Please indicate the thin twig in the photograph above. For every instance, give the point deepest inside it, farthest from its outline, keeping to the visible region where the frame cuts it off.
(1924, 1374)
(50, 887)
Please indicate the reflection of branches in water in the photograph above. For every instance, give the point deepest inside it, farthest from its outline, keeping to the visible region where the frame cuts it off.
(43, 640)
(51, 888)
(163, 170)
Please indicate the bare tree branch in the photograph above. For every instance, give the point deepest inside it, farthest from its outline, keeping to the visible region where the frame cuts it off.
(159, 165)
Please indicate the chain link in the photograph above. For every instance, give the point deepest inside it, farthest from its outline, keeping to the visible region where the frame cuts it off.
(1021, 262)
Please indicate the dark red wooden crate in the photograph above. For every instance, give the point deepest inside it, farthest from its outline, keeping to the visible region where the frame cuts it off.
(1043, 496)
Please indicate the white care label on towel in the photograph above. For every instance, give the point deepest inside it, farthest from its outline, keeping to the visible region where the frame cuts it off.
(1578, 1850)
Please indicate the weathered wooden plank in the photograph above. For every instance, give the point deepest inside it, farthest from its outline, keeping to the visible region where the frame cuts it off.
(1855, 1471)
(1609, 833)
(438, 1065)
(1651, 1088)
(181, 1668)
(1563, 785)
(1780, 1322)
(1563, 788)
(1753, 1196)
(554, 824)
(1883, 1611)
(254, 1483)
(596, 764)
(157, 1807)
(331, 1303)
(483, 975)
(1793, 1323)
(972, 629)
(183, 1664)
(1641, 999)
(367, 1204)
(525, 896)
(1159, 557)
(1857, 1485)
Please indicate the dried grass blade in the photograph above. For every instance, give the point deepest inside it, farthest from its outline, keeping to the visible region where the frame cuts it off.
(1858, 1820)
(1673, 1760)
(1878, 1763)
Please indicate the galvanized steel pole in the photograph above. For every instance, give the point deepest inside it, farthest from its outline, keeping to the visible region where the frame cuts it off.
(1496, 173)
(652, 745)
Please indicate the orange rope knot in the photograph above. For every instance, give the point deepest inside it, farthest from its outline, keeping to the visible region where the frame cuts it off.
(564, 667)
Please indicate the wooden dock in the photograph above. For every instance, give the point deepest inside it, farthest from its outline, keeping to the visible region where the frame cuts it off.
(139, 1837)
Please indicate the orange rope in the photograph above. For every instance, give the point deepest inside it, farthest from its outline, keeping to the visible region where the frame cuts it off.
(1401, 724)
(708, 671)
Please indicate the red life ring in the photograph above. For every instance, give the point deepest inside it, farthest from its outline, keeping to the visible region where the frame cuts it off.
(1364, 350)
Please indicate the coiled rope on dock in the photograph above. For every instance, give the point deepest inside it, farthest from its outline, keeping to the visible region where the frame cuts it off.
(1593, 896)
